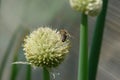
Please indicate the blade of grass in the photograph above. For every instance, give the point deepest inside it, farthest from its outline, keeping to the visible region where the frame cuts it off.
(96, 42)
(83, 55)
(46, 74)
(15, 69)
(8, 50)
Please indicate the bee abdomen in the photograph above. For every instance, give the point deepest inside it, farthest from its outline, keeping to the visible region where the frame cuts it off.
(64, 38)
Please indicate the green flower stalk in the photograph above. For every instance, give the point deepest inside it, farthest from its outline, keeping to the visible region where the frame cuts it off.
(97, 42)
(44, 48)
(88, 7)
(83, 54)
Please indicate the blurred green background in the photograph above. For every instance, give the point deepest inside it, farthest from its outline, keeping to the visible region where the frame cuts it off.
(58, 14)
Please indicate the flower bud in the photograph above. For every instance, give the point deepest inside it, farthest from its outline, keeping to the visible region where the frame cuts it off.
(44, 48)
(88, 7)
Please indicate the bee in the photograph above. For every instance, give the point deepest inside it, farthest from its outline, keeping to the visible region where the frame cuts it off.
(64, 34)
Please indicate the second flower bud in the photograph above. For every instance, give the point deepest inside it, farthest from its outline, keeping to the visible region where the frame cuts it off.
(88, 7)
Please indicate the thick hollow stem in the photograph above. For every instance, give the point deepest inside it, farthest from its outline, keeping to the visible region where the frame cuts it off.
(83, 55)
(46, 74)
(96, 42)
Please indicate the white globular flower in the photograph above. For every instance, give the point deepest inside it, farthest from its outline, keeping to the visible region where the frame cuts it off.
(88, 7)
(44, 48)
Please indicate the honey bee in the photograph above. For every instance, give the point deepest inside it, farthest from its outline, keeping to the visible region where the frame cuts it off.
(64, 35)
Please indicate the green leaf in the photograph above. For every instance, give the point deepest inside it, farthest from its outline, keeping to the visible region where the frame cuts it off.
(14, 70)
(16, 67)
(8, 50)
